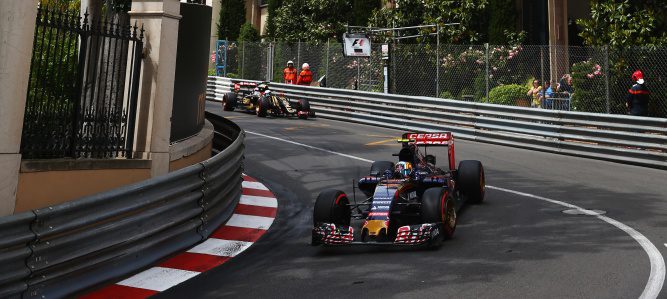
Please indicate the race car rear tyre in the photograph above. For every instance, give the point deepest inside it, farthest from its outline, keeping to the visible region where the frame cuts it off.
(262, 107)
(471, 181)
(380, 167)
(229, 101)
(331, 206)
(304, 105)
(438, 207)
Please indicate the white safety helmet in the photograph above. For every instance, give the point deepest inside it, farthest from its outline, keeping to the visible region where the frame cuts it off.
(305, 66)
(290, 62)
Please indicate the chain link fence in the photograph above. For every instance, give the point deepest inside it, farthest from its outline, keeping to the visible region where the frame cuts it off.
(586, 79)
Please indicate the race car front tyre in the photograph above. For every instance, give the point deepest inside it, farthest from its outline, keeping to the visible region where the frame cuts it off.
(378, 168)
(262, 107)
(331, 206)
(471, 181)
(229, 101)
(438, 207)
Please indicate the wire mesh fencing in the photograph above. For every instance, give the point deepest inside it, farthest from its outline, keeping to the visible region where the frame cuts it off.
(586, 79)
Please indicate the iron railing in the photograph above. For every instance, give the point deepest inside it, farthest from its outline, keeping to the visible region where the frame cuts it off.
(619, 138)
(83, 87)
(57, 251)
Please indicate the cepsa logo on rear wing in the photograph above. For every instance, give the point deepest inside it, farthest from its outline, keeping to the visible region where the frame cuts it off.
(443, 138)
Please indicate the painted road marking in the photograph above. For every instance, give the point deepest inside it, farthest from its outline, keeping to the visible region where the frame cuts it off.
(220, 247)
(382, 142)
(252, 217)
(259, 201)
(249, 221)
(657, 275)
(310, 146)
(158, 278)
(254, 185)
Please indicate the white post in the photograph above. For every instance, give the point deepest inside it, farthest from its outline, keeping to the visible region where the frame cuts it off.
(156, 92)
(17, 29)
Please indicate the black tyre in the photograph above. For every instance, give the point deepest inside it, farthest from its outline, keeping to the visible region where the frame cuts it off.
(262, 107)
(229, 101)
(331, 206)
(379, 167)
(438, 207)
(304, 105)
(471, 181)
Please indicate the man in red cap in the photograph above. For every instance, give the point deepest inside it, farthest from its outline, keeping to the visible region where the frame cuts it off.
(638, 97)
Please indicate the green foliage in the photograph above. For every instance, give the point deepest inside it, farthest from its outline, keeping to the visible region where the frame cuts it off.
(418, 12)
(507, 94)
(232, 16)
(362, 10)
(233, 75)
(272, 8)
(311, 20)
(248, 33)
(502, 19)
(589, 87)
(620, 24)
(446, 95)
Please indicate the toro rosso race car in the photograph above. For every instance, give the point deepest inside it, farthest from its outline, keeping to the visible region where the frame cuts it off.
(258, 99)
(411, 202)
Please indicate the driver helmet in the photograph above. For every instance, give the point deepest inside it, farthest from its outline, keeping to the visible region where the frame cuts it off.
(404, 168)
(262, 87)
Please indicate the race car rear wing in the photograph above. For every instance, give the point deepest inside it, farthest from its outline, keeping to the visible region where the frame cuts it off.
(432, 139)
(435, 139)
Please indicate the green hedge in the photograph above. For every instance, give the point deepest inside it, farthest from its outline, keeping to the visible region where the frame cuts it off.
(507, 94)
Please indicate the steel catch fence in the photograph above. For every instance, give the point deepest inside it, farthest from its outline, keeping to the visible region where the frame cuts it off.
(497, 74)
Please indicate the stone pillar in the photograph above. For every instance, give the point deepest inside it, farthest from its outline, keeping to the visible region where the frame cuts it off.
(558, 39)
(160, 21)
(17, 28)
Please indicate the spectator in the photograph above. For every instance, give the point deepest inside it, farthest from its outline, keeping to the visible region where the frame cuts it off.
(289, 73)
(306, 76)
(547, 95)
(535, 93)
(565, 85)
(638, 96)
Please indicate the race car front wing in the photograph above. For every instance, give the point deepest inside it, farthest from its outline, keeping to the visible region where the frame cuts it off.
(331, 234)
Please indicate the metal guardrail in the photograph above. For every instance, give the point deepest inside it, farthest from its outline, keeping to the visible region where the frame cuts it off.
(58, 251)
(619, 138)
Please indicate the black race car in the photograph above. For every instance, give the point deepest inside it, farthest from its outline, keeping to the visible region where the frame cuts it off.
(258, 99)
(411, 202)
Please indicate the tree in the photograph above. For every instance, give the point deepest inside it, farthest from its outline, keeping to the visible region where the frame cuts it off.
(362, 10)
(502, 17)
(309, 20)
(270, 19)
(248, 33)
(420, 12)
(232, 16)
(622, 24)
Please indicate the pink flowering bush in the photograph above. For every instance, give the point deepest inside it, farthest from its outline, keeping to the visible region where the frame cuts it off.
(588, 82)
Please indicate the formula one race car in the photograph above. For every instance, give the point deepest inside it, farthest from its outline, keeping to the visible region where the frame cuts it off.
(258, 99)
(410, 203)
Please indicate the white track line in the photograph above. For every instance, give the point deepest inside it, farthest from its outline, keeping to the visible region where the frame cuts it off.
(261, 201)
(158, 278)
(657, 276)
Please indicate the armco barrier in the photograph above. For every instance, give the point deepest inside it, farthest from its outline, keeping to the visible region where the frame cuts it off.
(57, 251)
(619, 138)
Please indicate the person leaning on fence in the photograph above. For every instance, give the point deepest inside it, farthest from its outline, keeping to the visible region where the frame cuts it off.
(535, 94)
(547, 95)
(565, 85)
(306, 76)
(638, 96)
(289, 73)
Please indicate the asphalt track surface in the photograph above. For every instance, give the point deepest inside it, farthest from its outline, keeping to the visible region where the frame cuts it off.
(511, 246)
